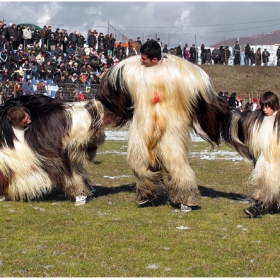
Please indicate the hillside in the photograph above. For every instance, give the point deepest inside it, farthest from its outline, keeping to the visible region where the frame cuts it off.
(271, 38)
(244, 80)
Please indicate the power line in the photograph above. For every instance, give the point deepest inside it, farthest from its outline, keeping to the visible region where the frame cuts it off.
(206, 25)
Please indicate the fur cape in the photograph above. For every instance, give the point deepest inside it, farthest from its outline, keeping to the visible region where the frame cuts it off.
(257, 138)
(163, 104)
(51, 150)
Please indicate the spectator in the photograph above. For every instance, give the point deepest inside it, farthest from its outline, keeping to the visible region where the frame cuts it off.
(18, 88)
(232, 100)
(216, 55)
(265, 57)
(70, 49)
(193, 54)
(27, 88)
(36, 36)
(48, 36)
(111, 45)
(255, 104)
(58, 51)
(6, 76)
(27, 69)
(247, 54)
(73, 38)
(41, 89)
(203, 54)
(236, 53)
(43, 35)
(80, 41)
(252, 56)
(258, 57)
(52, 42)
(110, 61)
(278, 56)
(179, 51)
(27, 36)
(165, 49)
(49, 70)
(249, 105)
(13, 33)
(34, 70)
(65, 39)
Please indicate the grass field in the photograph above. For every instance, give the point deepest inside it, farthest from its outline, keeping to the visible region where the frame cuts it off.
(111, 236)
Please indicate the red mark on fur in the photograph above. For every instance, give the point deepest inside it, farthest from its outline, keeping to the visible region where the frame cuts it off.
(155, 99)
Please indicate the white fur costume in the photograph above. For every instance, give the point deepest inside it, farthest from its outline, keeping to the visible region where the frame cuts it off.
(164, 103)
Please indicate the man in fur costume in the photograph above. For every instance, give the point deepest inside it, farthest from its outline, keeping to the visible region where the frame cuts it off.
(165, 98)
(255, 135)
(44, 142)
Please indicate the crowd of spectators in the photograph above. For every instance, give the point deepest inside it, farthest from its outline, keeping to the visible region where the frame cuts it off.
(69, 60)
(222, 54)
(76, 63)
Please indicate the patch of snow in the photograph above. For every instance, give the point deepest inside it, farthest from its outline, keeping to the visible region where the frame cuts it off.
(182, 227)
(207, 154)
(152, 266)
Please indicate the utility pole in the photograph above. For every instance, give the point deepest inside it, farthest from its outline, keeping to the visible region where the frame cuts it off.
(156, 36)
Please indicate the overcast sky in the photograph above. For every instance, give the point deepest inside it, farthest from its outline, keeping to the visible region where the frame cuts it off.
(173, 22)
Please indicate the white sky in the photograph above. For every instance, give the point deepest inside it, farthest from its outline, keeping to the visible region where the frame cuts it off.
(178, 22)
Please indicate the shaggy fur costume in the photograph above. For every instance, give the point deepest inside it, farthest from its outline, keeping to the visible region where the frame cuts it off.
(256, 137)
(51, 150)
(164, 103)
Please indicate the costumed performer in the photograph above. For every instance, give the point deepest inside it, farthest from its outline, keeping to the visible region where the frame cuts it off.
(164, 99)
(255, 135)
(44, 143)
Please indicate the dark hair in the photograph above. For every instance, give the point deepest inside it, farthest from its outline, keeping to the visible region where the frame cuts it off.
(16, 114)
(151, 49)
(269, 99)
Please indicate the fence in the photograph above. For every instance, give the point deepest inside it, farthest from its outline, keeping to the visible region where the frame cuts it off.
(67, 92)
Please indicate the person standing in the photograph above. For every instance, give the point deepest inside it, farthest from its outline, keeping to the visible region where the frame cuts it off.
(236, 53)
(27, 36)
(252, 56)
(203, 54)
(73, 38)
(193, 54)
(14, 37)
(92, 41)
(36, 36)
(110, 44)
(48, 36)
(165, 49)
(187, 54)
(216, 55)
(249, 105)
(258, 57)
(265, 57)
(247, 53)
(43, 35)
(278, 56)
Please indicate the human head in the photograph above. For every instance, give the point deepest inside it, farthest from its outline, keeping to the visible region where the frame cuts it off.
(269, 103)
(18, 116)
(150, 53)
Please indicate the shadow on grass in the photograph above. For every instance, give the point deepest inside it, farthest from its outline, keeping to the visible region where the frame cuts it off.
(98, 191)
(103, 191)
(208, 192)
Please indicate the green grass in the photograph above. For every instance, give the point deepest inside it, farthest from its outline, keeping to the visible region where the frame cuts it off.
(111, 237)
